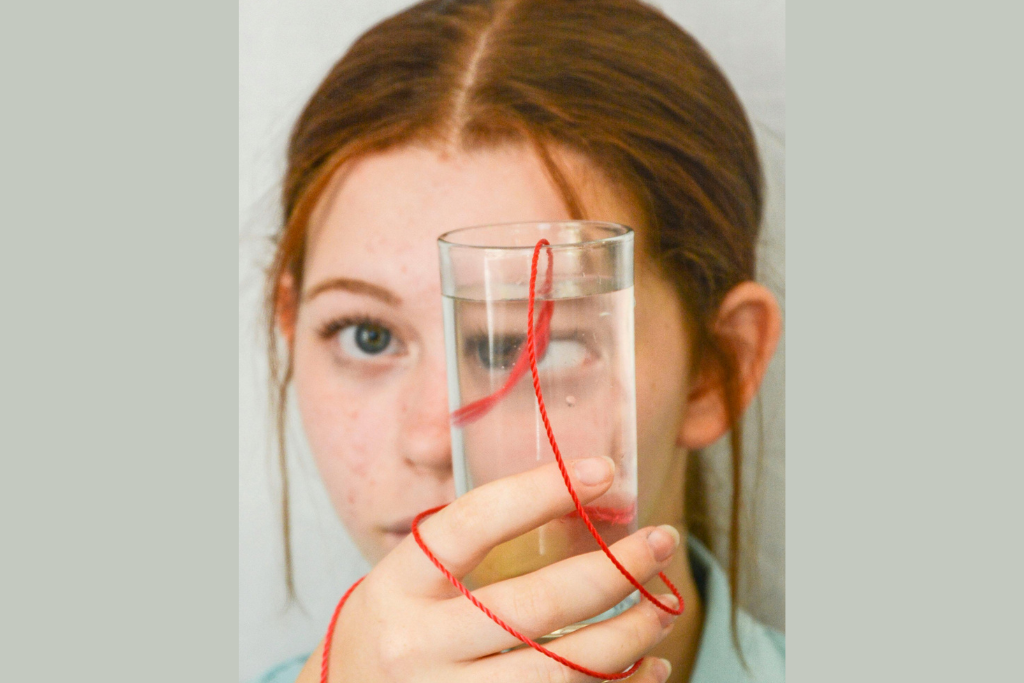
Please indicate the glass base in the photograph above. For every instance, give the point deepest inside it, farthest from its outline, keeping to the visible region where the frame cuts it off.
(631, 599)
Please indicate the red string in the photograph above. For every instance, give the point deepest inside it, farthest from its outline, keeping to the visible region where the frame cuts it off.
(532, 347)
(325, 657)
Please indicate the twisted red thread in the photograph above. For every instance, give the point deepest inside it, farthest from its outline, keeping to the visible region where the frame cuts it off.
(580, 510)
(325, 657)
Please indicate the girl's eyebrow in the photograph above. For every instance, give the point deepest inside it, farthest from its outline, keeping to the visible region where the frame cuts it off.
(354, 286)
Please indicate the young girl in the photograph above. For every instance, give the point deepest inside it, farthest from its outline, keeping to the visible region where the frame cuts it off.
(458, 113)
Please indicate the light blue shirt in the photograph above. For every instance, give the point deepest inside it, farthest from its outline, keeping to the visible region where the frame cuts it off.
(764, 649)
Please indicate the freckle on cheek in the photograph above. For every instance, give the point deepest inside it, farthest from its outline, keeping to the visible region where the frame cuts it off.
(355, 457)
(358, 466)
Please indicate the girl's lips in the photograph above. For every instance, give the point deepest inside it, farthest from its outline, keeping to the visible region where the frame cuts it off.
(404, 526)
(401, 527)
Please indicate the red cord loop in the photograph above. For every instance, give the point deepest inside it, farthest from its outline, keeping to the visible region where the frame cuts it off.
(476, 410)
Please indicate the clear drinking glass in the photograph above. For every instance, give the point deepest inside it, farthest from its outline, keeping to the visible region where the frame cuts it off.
(584, 335)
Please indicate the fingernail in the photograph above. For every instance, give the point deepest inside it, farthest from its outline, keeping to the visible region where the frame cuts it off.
(662, 669)
(666, 618)
(593, 471)
(663, 541)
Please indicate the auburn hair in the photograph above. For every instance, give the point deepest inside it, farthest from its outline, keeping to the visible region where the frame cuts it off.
(612, 80)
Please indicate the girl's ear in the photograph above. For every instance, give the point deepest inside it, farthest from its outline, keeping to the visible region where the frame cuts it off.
(748, 325)
(287, 307)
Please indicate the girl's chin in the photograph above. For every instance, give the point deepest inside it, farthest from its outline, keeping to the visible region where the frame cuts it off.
(375, 545)
(392, 539)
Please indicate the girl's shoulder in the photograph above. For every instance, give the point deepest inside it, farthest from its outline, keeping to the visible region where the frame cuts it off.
(764, 648)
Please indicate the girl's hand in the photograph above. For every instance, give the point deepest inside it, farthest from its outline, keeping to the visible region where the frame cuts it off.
(406, 622)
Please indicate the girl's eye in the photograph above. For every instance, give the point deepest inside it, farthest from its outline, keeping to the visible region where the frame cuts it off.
(501, 354)
(563, 354)
(366, 339)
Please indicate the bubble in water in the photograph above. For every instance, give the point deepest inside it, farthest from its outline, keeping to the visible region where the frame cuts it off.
(570, 401)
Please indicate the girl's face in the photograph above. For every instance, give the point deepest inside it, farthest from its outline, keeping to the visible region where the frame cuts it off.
(369, 348)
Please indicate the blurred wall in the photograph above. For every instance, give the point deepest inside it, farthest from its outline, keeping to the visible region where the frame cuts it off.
(286, 47)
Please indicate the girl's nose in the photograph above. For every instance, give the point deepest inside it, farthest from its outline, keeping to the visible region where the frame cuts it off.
(426, 435)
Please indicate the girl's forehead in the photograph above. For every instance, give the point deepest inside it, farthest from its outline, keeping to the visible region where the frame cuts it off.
(391, 207)
(407, 197)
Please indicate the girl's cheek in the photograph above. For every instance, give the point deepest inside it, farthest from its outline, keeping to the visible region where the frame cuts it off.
(353, 478)
(344, 450)
(345, 436)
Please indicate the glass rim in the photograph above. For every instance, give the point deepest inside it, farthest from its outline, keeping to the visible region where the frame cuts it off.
(620, 233)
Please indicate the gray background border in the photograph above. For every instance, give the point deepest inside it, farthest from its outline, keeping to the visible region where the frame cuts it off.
(904, 341)
(119, 384)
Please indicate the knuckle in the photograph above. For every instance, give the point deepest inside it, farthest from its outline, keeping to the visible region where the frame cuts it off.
(649, 628)
(550, 671)
(371, 591)
(463, 516)
(534, 604)
(645, 675)
(636, 555)
(641, 630)
(373, 599)
(649, 562)
(399, 650)
(637, 633)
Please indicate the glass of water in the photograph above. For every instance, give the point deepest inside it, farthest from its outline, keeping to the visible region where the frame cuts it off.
(583, 322)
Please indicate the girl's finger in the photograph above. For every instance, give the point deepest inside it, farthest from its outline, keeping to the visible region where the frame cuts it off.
(608, 646)
(556, 596)
(652, 670)
(462, 534)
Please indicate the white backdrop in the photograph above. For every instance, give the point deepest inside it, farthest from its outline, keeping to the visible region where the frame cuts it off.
(285, 49)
